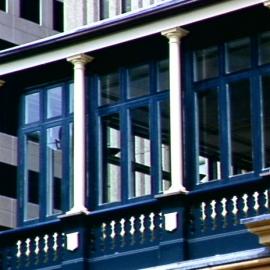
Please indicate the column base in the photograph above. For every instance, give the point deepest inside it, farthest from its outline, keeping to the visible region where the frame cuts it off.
(175, 190)
(76, 211)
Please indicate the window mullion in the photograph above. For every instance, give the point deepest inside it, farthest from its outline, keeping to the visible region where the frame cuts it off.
(256, 123)
(126, 145)
(225, 131)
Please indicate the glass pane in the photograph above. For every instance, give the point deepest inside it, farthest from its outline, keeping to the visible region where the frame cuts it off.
(109, 88)
(206, 63)
(209, 136)
(32, 174)
(165, 145)
(138, 81)
(54, 102)
(71, 97)
(163, 75)
(111, 185)
(32, 108)
(126, 5)
(71, 170)
(30, 10)
(238, 55)
(241, 133)
(264, 48)
(141, 152)
(266, 119)
(54, 169)
(3, 5)
(105, 9)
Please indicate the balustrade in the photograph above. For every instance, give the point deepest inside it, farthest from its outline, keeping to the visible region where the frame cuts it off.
(111, 237)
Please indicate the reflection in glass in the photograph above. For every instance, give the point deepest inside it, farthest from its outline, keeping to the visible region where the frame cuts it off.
(105, 9)
(206, 63)
(241, 133)
(141, 152)
(126, 5)
(32, 174)
(238, 55)
(111, 185)
(71, 155)
(109, 88)
(138, 81)
(54, 102)
(209, 141)
(32, 108)
(266, 118)
(71, 97)
(54, 169)
(163, 75)
(165, 145)
(264, 48)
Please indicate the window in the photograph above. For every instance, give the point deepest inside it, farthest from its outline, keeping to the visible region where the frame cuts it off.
(3, 5)
(30, 10)
(133, 136)
(58, 16)
(126, 4)
(105, 9)
(230, 90)
(46, 143)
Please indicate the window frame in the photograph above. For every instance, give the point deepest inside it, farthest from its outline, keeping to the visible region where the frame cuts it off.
(123, 107)
(43, 125)
(254, 75)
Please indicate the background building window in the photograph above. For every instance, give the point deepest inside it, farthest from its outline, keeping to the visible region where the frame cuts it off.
(58, 15)
(3, 5)
(30, 10)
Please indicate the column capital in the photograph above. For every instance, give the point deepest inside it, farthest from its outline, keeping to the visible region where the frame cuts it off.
(176, 32)
(80, 59)
(2, 82)
(267, 3)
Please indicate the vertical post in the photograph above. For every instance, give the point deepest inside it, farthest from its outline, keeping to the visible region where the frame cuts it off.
(174, 35)
(13, 7)
(46, 13)
(75, 14)
(92, 10)
(79, 62)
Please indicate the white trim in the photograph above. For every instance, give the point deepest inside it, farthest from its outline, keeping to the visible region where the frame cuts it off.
(100, 42)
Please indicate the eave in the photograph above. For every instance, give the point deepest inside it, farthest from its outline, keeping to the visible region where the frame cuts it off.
(123, 28)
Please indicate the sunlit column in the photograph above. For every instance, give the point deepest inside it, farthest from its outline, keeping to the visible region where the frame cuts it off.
(79, 62)
(174, 35)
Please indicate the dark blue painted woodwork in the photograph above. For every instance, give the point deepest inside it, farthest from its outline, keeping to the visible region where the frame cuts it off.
(134, 236)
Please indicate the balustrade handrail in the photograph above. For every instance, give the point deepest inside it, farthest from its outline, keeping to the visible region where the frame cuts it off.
(227, 186)
(9, 237)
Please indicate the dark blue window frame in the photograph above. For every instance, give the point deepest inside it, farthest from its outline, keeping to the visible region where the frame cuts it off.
(124, 107)
(254, 74)
(42, 124)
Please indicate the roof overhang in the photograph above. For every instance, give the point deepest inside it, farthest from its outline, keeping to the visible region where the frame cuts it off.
(124, 28)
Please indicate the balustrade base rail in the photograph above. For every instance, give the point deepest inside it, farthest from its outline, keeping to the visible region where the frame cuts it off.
(164, 230)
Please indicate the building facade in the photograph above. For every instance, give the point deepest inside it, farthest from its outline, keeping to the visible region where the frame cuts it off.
(138, 138)
(24, 21)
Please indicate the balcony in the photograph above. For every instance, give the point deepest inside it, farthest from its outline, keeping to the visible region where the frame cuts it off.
(164, 230)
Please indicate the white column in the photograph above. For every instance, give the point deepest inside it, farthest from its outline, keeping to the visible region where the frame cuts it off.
(174, 35)
(79, 62)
